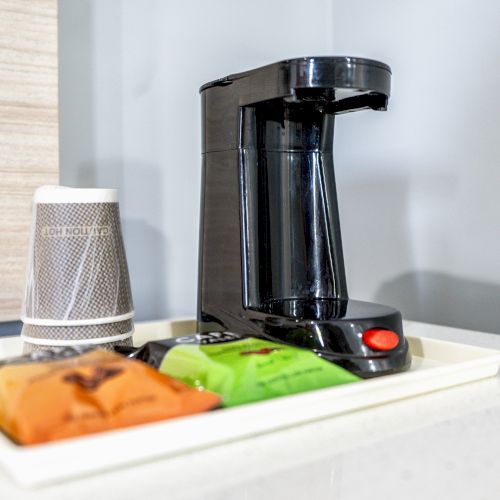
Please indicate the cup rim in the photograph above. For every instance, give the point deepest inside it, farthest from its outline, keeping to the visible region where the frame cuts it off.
(77, 322)
(62, 194)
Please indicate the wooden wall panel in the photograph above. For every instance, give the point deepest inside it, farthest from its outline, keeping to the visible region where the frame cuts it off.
(28, 131)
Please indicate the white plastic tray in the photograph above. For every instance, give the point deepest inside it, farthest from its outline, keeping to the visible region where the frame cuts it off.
(436, 365)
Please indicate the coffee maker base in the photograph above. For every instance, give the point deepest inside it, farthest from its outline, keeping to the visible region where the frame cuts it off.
(363, 337)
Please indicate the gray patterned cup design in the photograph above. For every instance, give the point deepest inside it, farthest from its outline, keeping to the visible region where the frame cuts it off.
(77, 284)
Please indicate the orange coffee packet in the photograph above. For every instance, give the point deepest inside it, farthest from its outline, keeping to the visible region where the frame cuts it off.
(93, 392)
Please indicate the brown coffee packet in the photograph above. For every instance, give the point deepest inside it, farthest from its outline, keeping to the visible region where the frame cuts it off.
(92, 392)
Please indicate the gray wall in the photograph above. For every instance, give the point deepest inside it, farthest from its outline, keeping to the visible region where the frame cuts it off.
(417, 185)
(423, 179)
(130, 114)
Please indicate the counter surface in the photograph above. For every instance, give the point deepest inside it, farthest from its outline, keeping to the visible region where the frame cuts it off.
(440, 445)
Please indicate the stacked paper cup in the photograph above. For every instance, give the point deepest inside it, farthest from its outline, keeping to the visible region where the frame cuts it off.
(77, 284)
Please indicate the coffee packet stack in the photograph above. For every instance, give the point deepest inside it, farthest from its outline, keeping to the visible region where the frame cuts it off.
(240, 369)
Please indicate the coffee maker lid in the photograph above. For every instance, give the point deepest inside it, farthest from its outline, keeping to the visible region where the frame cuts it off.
(322, 71)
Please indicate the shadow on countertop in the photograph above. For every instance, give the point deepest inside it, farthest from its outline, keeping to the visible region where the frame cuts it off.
(9, 328)
(442, 299)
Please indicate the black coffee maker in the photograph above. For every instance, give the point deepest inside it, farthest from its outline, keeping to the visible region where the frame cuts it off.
(271, 262)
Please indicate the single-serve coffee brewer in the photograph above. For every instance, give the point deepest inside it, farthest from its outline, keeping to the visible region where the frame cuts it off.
(271, 262)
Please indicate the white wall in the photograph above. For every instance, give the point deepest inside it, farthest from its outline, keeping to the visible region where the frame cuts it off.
(422, 181)
(418, 185)
(130, 114)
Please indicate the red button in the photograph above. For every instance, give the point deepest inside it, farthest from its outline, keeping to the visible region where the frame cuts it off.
(380, 339)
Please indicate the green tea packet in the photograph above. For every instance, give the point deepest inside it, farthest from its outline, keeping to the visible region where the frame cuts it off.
(242, 369)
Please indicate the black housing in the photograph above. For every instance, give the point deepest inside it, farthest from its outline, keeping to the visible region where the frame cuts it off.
(271, 261)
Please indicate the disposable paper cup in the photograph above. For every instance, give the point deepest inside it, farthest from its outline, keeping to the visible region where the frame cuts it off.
(77, 284)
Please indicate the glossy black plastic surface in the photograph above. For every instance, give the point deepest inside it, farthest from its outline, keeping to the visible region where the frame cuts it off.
(271, 260)
(291, 238)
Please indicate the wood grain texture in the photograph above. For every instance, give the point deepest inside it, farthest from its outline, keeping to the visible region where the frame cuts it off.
(28, 131)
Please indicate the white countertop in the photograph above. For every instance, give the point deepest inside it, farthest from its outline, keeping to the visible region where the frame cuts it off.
(440, 445)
